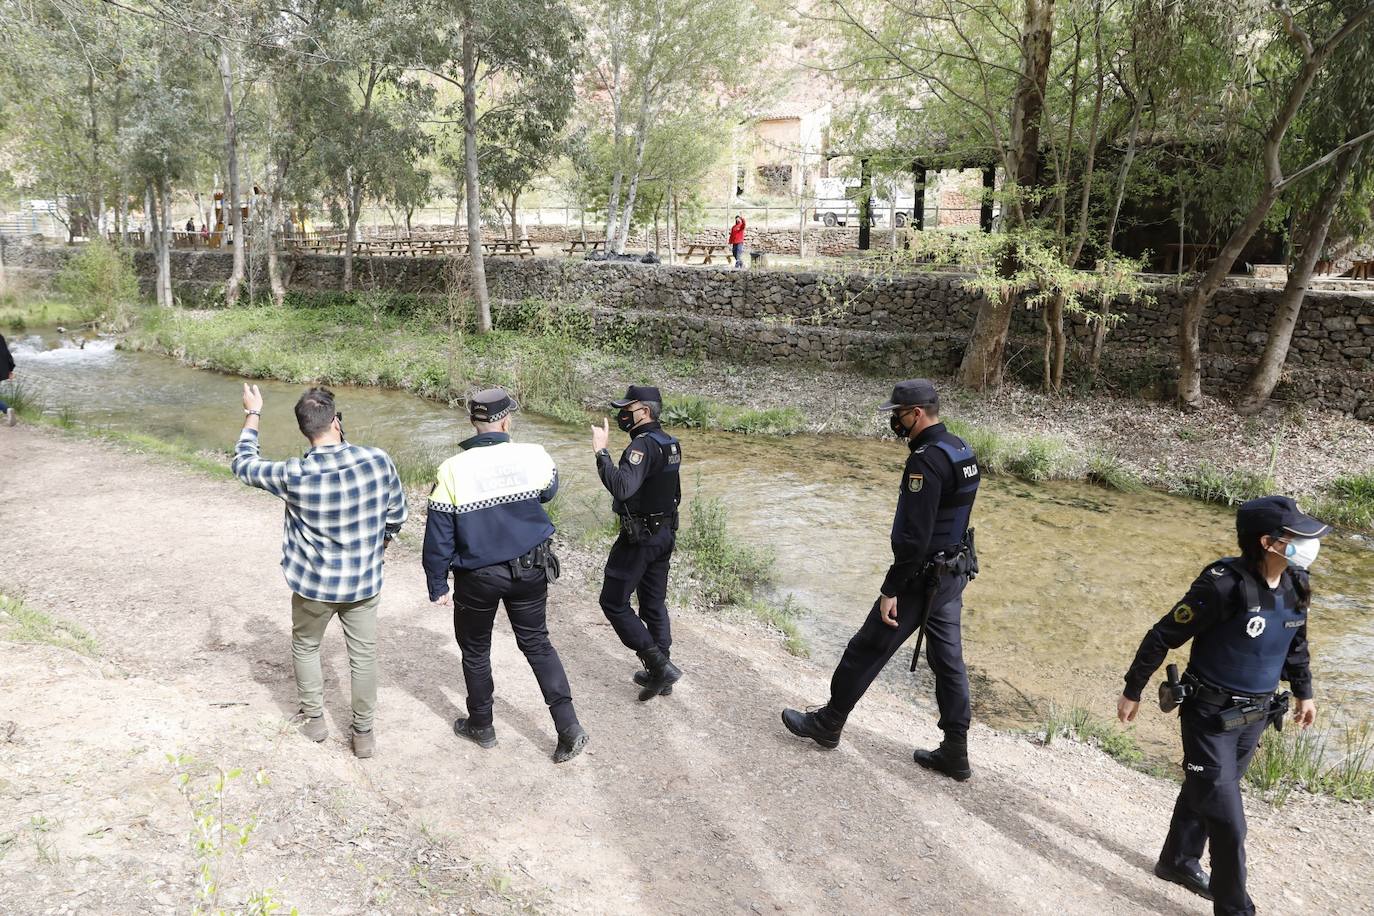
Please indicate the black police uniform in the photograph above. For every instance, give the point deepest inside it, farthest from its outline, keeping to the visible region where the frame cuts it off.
(646, 490)
(938, 488)
(1246, 637)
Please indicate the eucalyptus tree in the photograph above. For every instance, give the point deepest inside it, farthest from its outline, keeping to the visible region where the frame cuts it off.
(655, 58)
(495, 51)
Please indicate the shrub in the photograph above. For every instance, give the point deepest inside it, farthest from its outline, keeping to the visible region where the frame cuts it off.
(1305, 760)
(1107, 470)
(101, 283)
(729, 571)
(1079, 724)
(1349, 501)
(1229, 488)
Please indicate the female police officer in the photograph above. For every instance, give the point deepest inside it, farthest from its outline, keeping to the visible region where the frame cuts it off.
(1247, 618)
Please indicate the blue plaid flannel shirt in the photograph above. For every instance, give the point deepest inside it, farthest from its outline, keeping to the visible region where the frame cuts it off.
(343, 502)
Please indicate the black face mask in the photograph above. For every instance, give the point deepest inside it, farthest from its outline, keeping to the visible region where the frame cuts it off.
(895, 421)
(625, 420)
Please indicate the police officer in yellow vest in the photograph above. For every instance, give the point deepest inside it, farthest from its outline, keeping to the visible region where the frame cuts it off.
(1247, 618)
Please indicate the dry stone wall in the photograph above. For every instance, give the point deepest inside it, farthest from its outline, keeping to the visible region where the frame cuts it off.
(900, 325)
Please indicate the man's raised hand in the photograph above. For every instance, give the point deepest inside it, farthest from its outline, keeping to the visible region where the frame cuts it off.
(601, 435)
(252, 398)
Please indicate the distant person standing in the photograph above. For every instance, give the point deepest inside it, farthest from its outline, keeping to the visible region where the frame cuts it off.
(737, 241)
(487, 526)
(344, 504)
(190, 225)
(6, 373)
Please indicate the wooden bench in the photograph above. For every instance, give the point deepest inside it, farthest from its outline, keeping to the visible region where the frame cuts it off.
(706, 250)
(585, 245)
(524, 248)
(1362, 270)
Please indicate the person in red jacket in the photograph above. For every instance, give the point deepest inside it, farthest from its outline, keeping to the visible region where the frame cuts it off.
(737, 241)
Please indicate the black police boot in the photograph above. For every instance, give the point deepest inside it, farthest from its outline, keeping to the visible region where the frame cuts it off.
(950, 758)
(821, 725)
(1196, 880)
(485, 737)
(570, 744)
(661, 673)
(642, 678)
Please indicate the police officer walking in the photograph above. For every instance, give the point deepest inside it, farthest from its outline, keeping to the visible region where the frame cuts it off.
(488, 525)
(1247, 618)
(933, 560)
(645, 491)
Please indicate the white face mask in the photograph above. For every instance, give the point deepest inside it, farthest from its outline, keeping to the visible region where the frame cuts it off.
(1302, 552)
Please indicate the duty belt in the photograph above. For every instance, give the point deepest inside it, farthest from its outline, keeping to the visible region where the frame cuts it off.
(1210, 695)
(541, 556)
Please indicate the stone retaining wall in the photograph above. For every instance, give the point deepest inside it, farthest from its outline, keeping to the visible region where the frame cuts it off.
(893, 325)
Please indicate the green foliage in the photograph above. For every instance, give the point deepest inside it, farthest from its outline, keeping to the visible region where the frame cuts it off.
(19, 622)
(100, 281)
(21, 310)
(1348, 501)
(1078, 724)
(694, 412)
(1107, 470)
(1229, 488)
(729, 571)
(1030, 457)
(218, 843)
(1306, 760)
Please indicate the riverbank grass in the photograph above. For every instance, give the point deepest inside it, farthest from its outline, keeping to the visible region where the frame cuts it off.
(21, 311)
(1312, 761)
(1349, 502)
(1078, 724)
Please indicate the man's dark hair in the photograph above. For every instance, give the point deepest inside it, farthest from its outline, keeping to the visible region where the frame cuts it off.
(315, 411)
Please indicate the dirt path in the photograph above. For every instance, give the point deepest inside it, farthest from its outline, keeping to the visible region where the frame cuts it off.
(698, 803)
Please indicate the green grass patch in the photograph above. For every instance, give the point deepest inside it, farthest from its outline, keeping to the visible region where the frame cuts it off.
(21, 311)
(783, 618)
(694, 412)
(1348, 501)
(1029, 457)
(20, 622)
(1107, 470)
(729, 572)
(1078, 724)
(1211, 484)
(1309, 761)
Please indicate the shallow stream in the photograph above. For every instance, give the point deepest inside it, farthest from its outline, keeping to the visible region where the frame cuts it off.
(1072, 577)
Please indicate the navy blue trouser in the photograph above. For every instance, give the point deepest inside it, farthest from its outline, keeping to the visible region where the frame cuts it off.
(1209, 809)
(640, 570)
(876, 642)
(525, 592)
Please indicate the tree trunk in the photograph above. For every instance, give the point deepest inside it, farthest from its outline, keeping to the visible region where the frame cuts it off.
(514, 217)
(1270, 365)
(1104, 307)
(354, 204)
(1052, 374)
(231, 161)
(982, 366)
(617, 127)
(1190, 322)
(474, 200)
(165, 231)
(274, 218)
(641, 138)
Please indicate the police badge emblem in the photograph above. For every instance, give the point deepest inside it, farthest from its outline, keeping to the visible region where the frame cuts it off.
(914, 482)
(636, 457)
(1255, 627)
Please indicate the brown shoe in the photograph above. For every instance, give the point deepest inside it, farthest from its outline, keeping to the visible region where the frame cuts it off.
(364, 743)
(314, 728)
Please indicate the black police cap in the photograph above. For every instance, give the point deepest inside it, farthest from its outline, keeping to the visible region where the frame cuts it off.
(639, 393)
(490, 405)
(1274, 515)
(916, 392)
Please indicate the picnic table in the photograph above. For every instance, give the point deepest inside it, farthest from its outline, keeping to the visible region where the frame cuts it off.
(523, 248)
(582, 245)
(707, 251)
(1362, 270)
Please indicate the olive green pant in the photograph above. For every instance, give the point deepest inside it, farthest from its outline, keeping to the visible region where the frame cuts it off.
(359, 621)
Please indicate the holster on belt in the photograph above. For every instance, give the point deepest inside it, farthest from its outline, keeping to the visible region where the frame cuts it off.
(541, 557)
(962, 562)
(638, 529)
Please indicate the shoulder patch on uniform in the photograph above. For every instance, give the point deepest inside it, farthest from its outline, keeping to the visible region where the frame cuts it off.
(914, 482)
(634, 456)
(1183, 614)
(920, 451)
(1218, 570)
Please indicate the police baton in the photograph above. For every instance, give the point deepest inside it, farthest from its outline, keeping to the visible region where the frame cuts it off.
(931, 586)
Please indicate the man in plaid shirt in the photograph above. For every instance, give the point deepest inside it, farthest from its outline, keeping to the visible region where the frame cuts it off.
(344, 504)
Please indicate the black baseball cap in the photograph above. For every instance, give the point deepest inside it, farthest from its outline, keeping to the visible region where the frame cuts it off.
(490, 405)
(639, 393)
(916, 392)
(1274, 515)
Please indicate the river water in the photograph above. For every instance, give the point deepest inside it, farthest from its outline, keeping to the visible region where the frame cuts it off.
(1072, 576)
